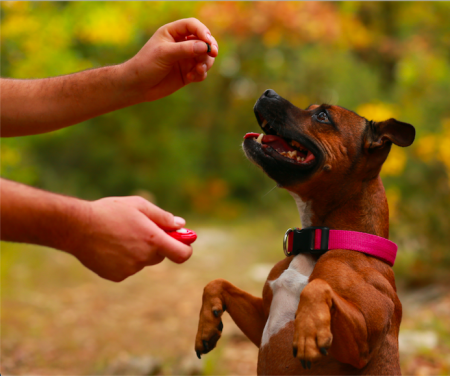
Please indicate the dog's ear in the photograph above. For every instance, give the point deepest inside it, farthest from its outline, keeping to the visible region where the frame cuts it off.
(401, 134)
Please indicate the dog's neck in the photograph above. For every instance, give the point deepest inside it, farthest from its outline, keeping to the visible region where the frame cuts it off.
(356, 207)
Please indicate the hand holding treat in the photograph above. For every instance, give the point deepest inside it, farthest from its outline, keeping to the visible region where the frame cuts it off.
(177, 54)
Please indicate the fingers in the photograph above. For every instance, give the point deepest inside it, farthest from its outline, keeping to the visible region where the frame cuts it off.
(196, 77)
(188, 49)
(161, 217)
(214, 48)
(171, 248)
(204, 64)
(181, 29)
(214, 45)
(201, 69)
(165, 245)
(209, 58)
(193, 40)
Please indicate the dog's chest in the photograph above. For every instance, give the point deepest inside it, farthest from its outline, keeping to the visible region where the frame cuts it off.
(286, 291)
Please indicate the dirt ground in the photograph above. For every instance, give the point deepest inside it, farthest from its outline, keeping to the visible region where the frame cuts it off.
(60, 319)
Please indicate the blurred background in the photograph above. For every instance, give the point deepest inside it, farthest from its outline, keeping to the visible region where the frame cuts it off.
(389, 59)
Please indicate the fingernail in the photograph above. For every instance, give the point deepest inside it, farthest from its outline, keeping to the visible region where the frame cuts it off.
(179, 221)
(205, 67)
(199, 48)
(208, 35)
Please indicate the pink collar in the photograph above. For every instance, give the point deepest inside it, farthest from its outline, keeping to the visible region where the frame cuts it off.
(318, 240)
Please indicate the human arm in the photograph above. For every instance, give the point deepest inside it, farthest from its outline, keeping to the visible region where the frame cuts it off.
(173, 57)
(115, 237)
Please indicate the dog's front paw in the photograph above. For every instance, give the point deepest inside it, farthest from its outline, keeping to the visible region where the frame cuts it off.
(312, 335)
(210, 325)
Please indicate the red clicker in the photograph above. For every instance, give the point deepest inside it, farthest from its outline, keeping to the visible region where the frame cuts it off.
(183, 235)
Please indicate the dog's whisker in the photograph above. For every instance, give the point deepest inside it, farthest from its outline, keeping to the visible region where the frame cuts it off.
(270, 191)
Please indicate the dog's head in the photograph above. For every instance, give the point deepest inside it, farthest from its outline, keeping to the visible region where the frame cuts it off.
(323, 143)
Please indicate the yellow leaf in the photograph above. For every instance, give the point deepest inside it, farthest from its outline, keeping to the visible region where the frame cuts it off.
(395, 162)
(376, 111)
(426, 147)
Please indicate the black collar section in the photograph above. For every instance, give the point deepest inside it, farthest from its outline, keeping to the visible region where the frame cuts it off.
(298, 241)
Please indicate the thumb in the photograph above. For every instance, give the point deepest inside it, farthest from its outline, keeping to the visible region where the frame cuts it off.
(171, 248)
(185, 50)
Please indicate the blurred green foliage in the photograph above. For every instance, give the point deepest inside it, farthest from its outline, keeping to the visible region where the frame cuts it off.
(380, 59)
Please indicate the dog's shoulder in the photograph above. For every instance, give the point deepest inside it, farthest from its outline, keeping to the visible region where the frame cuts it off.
(344, 267)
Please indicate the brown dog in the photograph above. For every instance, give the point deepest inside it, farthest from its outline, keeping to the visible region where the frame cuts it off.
(335, 314)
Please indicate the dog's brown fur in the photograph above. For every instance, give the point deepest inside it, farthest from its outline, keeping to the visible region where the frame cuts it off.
(348, 317)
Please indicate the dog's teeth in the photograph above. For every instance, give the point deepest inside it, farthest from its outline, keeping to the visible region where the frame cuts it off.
(264, 123)
(260, 137)
(292, 154)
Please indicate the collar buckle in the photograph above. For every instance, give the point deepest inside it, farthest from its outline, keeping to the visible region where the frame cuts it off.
(297, 241)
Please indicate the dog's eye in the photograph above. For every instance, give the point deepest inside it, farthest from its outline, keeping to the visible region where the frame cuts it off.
(322, 116)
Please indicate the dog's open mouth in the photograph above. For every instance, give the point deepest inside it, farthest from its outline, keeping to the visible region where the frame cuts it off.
(289, 149)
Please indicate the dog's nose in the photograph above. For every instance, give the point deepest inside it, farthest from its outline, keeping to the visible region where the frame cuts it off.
(270, 93)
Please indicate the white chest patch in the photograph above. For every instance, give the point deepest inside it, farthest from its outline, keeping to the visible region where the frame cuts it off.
(304, 209)
(286, 294)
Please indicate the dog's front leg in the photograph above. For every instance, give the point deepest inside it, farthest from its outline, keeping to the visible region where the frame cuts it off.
(246, 311)
(347, 319)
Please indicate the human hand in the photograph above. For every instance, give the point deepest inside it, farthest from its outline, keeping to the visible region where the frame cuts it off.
(174, 56)
(123, 235)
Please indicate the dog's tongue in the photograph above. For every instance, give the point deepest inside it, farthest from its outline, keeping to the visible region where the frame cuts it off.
(276, 143)
(250, 135)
